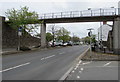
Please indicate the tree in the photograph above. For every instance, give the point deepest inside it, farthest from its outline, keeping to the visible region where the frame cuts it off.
(75, 39)
(94, 39)
(87, 39)
(53, 30)
(21, 18)
(63, 34)
(49, 37)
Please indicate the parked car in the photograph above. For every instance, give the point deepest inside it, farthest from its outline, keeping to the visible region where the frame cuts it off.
(65, 44)
(76, 43)
(69, 43)
(58, 43)
(51, 44)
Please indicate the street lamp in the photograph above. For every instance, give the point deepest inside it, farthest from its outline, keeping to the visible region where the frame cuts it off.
(111, 7)
(89, 34)
(90, 10)
(114, 12)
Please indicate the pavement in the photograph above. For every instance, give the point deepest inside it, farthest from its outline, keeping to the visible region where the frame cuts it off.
(9, 51)
(50, 64)
(97, 56)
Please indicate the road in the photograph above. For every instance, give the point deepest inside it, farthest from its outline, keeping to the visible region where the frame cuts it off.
(50, 64)
(95, 70)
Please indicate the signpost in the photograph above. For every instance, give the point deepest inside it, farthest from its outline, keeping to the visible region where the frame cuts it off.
(90, 34)
(19, 35)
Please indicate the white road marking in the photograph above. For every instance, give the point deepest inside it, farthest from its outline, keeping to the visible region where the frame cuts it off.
(75, 68)
(66, 74)
(15, 67)
(107, 63)
(86, 63)
(42, 58)
(81, 69)
(80, 61)
(98, 66)
(73, 71)
(47, 57)
(78, 77)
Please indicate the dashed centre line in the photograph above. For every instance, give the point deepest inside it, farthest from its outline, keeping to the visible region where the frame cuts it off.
(15, 67)
(47, 57)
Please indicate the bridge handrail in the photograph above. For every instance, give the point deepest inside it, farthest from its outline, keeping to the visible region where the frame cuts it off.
(85, 13)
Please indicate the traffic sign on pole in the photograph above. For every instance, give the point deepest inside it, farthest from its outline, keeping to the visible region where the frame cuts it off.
(19, 34)
(20, 29)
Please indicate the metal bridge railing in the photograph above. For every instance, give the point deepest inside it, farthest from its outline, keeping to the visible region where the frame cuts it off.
(97, 12)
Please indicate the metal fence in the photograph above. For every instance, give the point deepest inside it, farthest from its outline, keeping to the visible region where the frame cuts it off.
(85, 13)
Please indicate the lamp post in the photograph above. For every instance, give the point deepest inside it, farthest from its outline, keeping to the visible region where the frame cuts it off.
(114, 12)
(90, 10)
(89, 34)
(100, 12)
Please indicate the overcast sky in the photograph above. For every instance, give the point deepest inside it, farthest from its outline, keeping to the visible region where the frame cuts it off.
(50, 6)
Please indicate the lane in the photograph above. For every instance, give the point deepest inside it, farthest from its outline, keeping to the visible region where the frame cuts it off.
(95, 70)
(12, 60)
(15, 67)
(52, 67)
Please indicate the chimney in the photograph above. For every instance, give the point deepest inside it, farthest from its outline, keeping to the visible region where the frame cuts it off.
(104, 22)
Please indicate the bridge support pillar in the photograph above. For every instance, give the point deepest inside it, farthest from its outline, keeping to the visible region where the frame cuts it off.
(1, 26)
(116, 36)
(43, 35)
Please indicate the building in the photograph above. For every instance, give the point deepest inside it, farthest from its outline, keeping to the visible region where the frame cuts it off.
(105, 35)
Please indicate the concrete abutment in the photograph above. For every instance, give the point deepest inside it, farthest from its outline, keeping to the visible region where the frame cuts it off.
(116, 36)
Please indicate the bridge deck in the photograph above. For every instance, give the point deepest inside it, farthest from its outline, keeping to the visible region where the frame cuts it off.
(81, 16)
(81, 19)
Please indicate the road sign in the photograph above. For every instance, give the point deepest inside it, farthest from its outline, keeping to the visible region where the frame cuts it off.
(20, 29)
(89, 34)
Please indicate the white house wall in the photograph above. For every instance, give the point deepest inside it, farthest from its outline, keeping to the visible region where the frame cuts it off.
(105, 30)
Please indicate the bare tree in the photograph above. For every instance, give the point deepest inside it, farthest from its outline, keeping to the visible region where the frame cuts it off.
(53, 29)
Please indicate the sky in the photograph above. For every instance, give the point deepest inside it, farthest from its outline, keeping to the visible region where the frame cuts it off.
(51, 6)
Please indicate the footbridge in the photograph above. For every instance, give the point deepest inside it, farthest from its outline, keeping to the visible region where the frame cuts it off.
(96, 15)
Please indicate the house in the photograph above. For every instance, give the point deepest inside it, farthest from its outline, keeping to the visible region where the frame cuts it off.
(106, 35)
